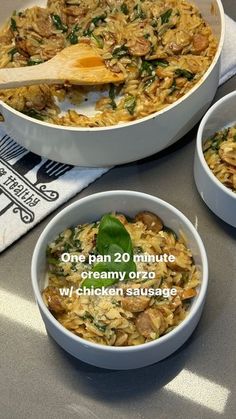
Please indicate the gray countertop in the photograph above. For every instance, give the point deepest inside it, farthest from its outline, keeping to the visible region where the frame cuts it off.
(39, 380)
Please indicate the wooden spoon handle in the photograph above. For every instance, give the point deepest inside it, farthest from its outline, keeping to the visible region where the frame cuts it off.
(26, 76)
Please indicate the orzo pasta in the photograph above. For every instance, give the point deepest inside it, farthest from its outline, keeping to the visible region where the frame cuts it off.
(122, 320)
(220, 154)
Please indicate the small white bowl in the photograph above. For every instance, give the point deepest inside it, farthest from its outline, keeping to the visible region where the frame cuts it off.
(92, 208)
(220, 199)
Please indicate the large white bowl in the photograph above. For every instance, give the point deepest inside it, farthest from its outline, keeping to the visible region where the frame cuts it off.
(92, 208)
(220, 199)
(125, 142)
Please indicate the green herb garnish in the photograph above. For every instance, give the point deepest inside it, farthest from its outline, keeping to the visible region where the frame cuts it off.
(13, 25)
(216, 144)
(124, 9)
(180, 72)
(99, 326)
(98, 19)
(12, 52)
(154, 23)
(35, 61)
(149, 81)
(138, 250)
(98, 39)
(53, 261)
(139, 13)
(112, 95)
(58, 23)
(73, 37)
(119, 52)
(94, 23)
(185, 276)
(112, 239)
(161, 63)
(73, 243)
(218, 139)
(86, 316)
(147, 68)
(34, 114)
(130, 104)
(173, 88)
(165, 17)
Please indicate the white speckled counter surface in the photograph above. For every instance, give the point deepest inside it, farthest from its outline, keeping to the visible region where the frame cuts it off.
(39, 380)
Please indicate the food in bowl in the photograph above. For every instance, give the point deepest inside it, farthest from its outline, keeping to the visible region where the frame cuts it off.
(220, 155)
(165, 47)
(129, 311)
(91, 208)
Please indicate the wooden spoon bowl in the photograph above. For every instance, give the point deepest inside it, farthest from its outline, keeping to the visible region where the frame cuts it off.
(78, 64)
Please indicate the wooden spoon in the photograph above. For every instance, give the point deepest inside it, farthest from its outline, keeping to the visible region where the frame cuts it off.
(78, 64)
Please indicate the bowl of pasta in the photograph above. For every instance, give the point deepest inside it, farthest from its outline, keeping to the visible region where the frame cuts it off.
(120, 279)
(169, 52)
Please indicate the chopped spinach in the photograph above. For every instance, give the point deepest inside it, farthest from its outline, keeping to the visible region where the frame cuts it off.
(124, 9)
(96, 20)
(181, 72)
(59, 24)
(218, 138)
(73, 36)
(12, 52)
(173, 88)
(160, 63)
(94, 23)
(139, 13)
(99, 326)
(13, 25)
(112, 95)
(149, 81)
(185, 276)
(34, 114)
(35, 61)
(119, 52)
(154, 23)
(147, 68)
(88, 31)
(67, 247)
(130, 104)
(138, 250)
(165, 17)
(73, 244)
(86, 316)
(53, 261)
(98, 39)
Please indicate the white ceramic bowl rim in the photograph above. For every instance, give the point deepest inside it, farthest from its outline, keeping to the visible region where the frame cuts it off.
(200, 143)
(199, 299)
(146, 118)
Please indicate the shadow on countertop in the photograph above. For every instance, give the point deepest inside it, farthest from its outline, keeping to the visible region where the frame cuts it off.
(111, 385)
